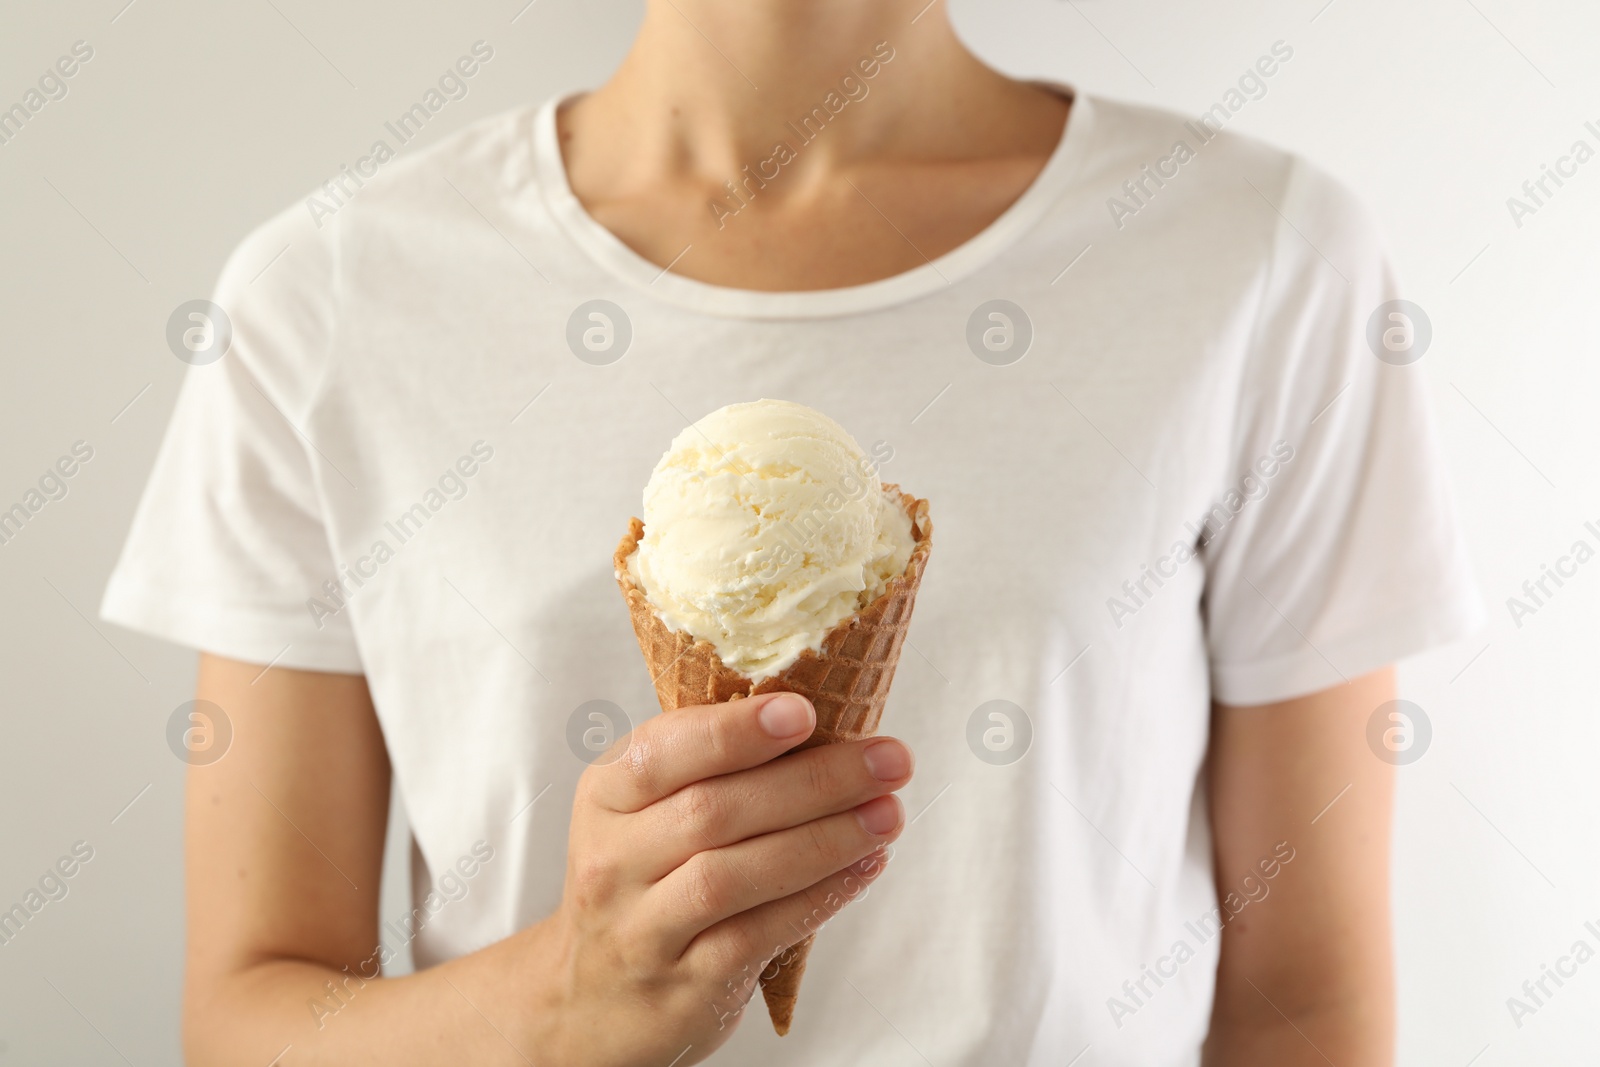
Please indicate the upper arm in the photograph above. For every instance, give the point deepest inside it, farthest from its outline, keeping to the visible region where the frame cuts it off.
(1297, 779)
(284, 834)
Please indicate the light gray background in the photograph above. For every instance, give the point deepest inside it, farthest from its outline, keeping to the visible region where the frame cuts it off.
(195, 121)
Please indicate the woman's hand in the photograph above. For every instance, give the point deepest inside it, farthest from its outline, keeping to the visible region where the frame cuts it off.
(694, 858)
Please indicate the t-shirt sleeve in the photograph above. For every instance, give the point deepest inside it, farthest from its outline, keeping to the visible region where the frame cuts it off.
(228, 544)
(1336, 550)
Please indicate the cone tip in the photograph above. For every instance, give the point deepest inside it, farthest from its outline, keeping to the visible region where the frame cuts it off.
(781, 1009)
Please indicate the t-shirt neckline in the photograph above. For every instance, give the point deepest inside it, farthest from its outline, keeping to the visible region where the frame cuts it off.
(610, 253)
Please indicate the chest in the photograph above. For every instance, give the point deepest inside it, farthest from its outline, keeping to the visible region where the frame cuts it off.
(1063, 444)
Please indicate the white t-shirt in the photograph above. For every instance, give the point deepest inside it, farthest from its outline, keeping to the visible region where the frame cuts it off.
(421, 405)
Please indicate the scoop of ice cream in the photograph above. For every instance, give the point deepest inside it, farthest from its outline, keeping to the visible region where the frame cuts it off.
(765, 525)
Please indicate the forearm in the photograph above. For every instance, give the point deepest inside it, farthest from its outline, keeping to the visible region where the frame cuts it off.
(1355, 1025)
(484, 1008)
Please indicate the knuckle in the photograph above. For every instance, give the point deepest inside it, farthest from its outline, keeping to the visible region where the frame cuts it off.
(596, 788)
(716, 734)
(584, 794)
(634, 766)
(823, 842)
(729, 962)
(593, 877)
(815, 907)
(705, 885)
(702, 809)
(735, 947)
(821, 781)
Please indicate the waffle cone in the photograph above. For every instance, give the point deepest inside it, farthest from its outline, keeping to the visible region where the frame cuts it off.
(847, 681)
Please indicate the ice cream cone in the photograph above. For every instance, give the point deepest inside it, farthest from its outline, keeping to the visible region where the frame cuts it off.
(847, 682)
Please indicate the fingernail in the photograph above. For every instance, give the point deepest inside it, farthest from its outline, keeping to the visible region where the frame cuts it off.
(786, 716)
(878, 817)
(887, 761)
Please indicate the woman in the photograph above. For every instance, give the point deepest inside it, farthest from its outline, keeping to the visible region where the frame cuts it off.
(1187, 519)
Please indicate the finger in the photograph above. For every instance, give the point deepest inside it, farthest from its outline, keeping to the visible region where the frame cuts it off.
(717, 883)
(666, 753)
(744, 944)
(787, 792)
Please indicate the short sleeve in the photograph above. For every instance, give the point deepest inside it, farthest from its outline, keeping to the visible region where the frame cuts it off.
(228, 545)
(1334, 550)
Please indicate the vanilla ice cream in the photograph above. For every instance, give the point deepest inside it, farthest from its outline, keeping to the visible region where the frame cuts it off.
(765, 525)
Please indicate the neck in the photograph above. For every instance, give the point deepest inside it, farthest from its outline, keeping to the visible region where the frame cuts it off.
(711, 85)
